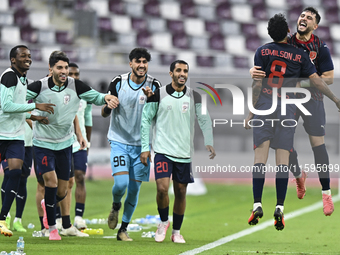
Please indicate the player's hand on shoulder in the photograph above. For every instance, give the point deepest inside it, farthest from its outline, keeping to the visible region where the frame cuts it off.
(45, 107)
(257, 73)
(148, 91)
(211, 150)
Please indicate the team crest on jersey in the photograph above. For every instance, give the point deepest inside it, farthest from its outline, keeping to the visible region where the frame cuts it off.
(67, 99)
(312, 55)
(142, 99)
(185, 107)
(169, 107)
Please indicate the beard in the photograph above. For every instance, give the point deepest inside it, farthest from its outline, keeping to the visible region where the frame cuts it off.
(136, 74)
(303, 32)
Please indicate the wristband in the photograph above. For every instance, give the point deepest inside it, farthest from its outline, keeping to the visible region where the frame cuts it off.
(88, 145)
(107, 110)
(305, 83)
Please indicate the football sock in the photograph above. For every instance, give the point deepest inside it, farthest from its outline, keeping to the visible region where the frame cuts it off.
(80, 207)
(164, 213)
(281, 182)
(10, 191)
(66, 220)
(258, 182)
(321, 158)
(50, 204)
(294, 164)
(3, 185)
(41, 222)
(256, 205)
(175, 231)
(58, 212)
(21, 197)
(123, 226)
(118, 189)
(280, 207)
(177, 221)
(327, 192)
(131, 200)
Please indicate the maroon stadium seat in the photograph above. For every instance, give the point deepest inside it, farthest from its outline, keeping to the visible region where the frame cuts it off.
(253, 42)
(139, 24)
(223, 11)
(216, 42)
(104, 24)
(205, 61)
(21, 18)
(29, 34)
(63, 37)
(260, 12)
(152, 8)
(17, 4)
(188, 9)
(241, 62)
(175, 26)
(144, 39)
(249, 29)
(180, 40)
(167, 59)
(116, 6)
(212, 27)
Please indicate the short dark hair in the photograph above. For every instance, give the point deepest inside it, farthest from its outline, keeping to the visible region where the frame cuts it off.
(178, 61)
(278, 27)
(313, 11)
(57, 56)
(13, 53)
(73, 65)
(138, 53)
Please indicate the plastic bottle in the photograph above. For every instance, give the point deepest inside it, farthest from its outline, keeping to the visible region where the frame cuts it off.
(30, 226)
(91, 231)
(149, 234)
(20, 245)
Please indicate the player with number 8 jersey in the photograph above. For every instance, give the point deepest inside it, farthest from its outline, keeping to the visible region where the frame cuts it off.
(283, 64)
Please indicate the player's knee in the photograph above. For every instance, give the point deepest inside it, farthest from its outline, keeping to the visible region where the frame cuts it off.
(70, 183)
(162, 191)
(80, 178)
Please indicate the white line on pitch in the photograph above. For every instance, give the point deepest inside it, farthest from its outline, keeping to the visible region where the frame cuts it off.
(256, 228)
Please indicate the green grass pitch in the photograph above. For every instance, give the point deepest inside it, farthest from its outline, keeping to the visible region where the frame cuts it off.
(222, 212)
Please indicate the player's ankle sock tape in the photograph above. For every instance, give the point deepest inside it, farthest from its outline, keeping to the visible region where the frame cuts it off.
(321, 159)
(50, 204)
(164, 213)
(119, 187)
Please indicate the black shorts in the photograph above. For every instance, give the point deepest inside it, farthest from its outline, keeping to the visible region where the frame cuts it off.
(164, 167)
